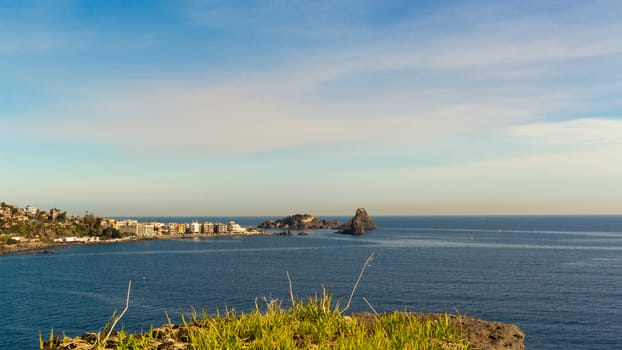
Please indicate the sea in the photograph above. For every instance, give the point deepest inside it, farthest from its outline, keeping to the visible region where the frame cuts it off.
(559, 278)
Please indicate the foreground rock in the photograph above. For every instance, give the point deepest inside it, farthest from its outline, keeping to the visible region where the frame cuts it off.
(300, 222)
(492, 335)
(480, 334)
(360, 223)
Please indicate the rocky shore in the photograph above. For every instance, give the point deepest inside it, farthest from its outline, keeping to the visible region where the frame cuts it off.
(28, 248)
(50, 248)
(46, 248)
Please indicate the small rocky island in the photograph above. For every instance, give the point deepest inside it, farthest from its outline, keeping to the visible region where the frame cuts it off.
(300, 222)
(360, 223)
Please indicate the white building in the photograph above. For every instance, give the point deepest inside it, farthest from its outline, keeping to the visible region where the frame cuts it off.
(195, 227)
(233, 227)
(30, 210)
(145, 229)
(127, 226)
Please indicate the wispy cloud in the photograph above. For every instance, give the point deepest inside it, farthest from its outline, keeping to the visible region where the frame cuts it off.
(255, 116)
(590, 133)
(27, 43)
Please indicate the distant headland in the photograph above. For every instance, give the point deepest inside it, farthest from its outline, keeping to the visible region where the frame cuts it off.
(360, 223)
(30, 229)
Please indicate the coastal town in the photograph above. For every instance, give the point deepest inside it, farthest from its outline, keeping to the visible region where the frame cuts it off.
(133, 227)
(33, 229)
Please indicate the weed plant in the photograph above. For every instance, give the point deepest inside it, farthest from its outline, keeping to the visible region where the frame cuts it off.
(318, 323)
(315, 323)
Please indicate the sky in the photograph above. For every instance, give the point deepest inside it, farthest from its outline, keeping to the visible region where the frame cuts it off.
(276, 107)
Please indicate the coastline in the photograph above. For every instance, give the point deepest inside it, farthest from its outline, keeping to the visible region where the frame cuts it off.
(49, 248)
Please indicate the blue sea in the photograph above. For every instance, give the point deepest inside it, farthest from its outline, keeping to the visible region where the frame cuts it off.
(559, 278)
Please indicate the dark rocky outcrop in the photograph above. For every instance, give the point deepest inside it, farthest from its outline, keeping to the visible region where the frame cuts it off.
(287, 232)
(299, 222)
(360, 223)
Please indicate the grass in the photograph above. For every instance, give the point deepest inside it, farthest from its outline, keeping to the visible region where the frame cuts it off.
(320, 324)
(314, 323)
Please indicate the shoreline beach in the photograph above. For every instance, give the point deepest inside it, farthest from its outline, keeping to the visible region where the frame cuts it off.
(50, 248)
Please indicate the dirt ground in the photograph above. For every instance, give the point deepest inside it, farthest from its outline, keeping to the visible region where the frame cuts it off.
(492, 335)
(485, 335)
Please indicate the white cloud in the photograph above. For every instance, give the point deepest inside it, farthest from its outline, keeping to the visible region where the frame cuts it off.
(589, 132)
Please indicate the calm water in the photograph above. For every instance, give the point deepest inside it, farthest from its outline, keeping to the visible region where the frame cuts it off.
(558, 278)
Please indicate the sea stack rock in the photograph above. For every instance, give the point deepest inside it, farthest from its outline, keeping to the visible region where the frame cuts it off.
(360, 223)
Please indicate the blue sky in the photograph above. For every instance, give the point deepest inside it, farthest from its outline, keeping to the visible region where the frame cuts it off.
(278, 107)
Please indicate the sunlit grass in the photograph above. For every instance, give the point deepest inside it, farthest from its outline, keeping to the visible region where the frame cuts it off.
(316, 323)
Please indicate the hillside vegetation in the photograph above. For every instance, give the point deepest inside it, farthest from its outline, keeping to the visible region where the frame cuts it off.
(27, 228)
